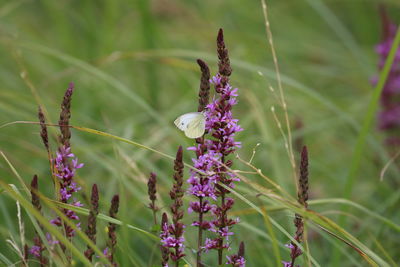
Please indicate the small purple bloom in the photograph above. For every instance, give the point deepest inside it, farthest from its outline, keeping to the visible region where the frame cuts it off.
(294, 250)
(35, 251)
(236, 261)
(210, 244)
(50, 240)
(168, 239)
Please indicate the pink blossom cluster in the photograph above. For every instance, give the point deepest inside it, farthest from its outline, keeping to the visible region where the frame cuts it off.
(65, 166)
(211, 160)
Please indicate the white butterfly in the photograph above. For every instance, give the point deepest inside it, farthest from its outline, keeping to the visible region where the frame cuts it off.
(193, 124)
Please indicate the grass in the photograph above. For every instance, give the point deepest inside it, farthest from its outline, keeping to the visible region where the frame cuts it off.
(134, 69)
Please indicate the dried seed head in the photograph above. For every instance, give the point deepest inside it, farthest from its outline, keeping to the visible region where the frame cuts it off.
(91, 226)
(204, 91)
(34, 193)
(303, 180)
(178, 166)
(224, 64)
(114, 206)
(94, 199)
(43, 132)
(38, 245)
(65, 115)
(176, 192)
(241, 250)
(164, 219)
(151, 186)
(112, 235)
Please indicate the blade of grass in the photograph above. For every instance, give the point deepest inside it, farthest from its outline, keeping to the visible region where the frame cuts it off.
(14, 171)
(101, 216)
(30, 209)
(347, 202)
(324, 222)
(5, 260)
(277, 225)
(59, 261)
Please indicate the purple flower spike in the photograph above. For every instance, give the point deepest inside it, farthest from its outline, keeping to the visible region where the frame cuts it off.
(212, 151)
(65, 166)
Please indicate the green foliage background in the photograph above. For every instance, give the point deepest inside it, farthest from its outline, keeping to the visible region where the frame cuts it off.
(133, 64)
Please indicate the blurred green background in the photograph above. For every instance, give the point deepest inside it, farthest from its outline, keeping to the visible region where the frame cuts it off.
(134, 68)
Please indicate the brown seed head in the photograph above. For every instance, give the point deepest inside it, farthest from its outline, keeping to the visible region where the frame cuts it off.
(112, 235)
(151, 186)
(224, 64)
(65, 115)
(114, 206)
(43, 132)
(34, 193)
(204, 91)
(303, 179)
(176, 192)
(91, 226)
(241, 249)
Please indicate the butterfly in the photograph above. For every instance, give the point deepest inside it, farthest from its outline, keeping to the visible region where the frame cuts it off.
(193, 124)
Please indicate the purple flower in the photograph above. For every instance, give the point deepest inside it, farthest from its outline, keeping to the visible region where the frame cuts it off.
(65, 166)
(288, 264)
(195, 206)
(295, 251)
(210, 244)
(168, 239)
(105, 252)
(211, 159)
(35, 251)
(236, 261)
(50, 240)
(224, 232)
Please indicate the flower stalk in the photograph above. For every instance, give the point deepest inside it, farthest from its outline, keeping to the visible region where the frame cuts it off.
(164, 234)
(37, 249)
(212, 154)
(43, 133)
(64, 167)
(172, 235)
(152, 192)
(112, 233)
(176, 195)
(65, 115)
(302, 197)
(237, 260)
(92, 221)
(204, 96)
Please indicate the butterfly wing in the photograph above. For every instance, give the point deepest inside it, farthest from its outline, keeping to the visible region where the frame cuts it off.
(196, 127)
(193, 124)
(183, 121)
